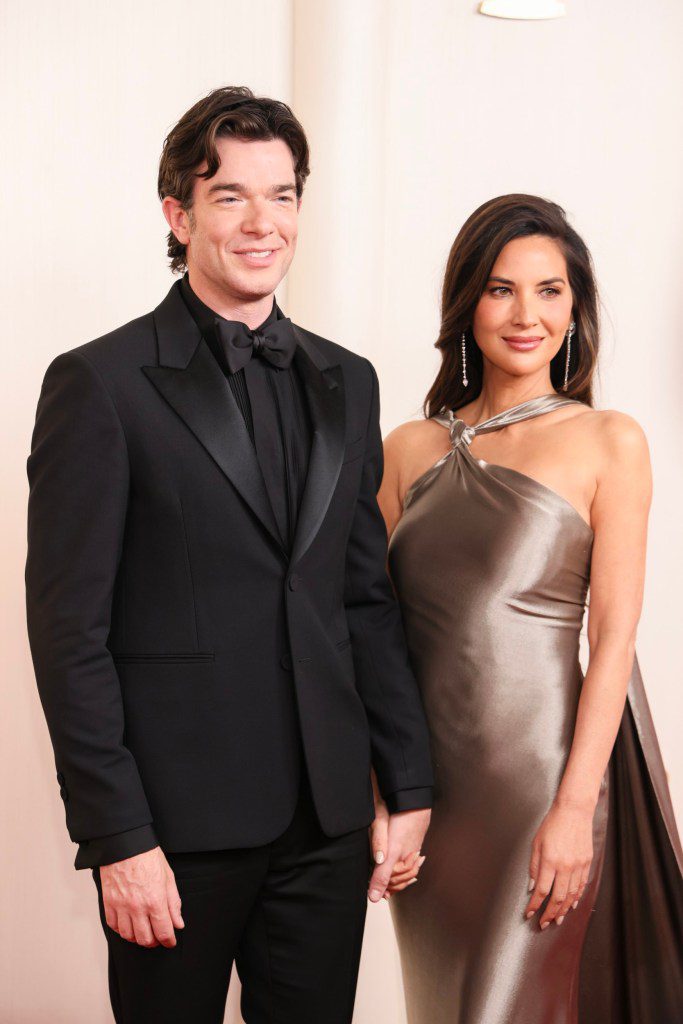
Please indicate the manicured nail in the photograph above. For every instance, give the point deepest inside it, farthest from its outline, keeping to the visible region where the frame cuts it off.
(422, 860)
(379, 857)
(532, 883)
(530, 914)
(560, 919)
(544, 926)
(375, 895)
(411, 882)
(575, 905)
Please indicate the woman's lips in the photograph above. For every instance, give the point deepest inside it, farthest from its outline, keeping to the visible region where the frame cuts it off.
(523, 344)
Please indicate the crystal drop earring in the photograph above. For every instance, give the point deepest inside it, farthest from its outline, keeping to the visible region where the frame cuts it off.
(571, 330)
(464, 360)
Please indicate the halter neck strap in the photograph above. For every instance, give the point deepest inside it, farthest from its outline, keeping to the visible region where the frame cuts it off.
(524, 411)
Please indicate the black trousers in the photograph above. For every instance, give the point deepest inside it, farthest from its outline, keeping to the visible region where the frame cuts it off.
(291, 915)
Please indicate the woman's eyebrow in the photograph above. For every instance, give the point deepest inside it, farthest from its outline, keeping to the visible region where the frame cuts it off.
(548, 280)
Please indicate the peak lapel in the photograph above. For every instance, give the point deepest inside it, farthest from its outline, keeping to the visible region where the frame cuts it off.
(193, 384)
(324, 385)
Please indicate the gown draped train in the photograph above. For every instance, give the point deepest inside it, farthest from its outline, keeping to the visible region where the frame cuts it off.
(492, 569)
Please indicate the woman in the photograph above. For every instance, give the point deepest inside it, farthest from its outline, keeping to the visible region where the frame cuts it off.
(502, 506)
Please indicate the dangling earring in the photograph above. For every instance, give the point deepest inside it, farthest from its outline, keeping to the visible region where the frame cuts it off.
(464, 360)
(571, 330)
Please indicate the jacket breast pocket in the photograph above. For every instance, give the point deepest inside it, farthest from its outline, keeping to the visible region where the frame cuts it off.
(354, 449)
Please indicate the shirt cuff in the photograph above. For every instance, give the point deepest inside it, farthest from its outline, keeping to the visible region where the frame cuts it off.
(93, 853)
(409, 799)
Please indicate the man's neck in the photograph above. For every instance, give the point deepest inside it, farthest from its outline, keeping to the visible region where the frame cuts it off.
(251, 312)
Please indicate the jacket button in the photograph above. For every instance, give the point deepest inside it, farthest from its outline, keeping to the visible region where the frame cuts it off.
(286, 662)
(294, 581)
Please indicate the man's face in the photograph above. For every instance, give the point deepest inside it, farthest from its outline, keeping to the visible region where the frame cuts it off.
(241, 230)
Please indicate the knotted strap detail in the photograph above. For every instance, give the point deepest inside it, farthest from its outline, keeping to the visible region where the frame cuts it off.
(463, 433)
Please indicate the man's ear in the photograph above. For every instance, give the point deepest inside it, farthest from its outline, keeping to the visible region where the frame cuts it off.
(177, 217)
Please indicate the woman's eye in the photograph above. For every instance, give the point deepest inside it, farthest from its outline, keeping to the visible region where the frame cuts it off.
(552, 291)
(499, 289)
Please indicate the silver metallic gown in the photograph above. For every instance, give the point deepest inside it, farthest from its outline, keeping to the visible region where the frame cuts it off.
(492, 569)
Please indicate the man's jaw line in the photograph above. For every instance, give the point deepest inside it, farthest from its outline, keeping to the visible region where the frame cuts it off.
(232, 302)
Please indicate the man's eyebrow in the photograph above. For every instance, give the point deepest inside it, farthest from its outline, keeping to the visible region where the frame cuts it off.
(548, 280)
(231, 186)
(241, 189)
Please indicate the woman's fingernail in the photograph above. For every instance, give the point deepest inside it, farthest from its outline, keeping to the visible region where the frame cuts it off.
(375, 895)
(560, 919)
(411, 882)
(379, 857)
(575, 905)
(422, 860)
(544, 926)
(532, 883)
(529, 914)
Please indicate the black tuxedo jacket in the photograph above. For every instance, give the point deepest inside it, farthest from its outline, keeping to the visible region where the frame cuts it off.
(184, 658)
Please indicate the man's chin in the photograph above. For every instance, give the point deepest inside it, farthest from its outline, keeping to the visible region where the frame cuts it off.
(248, 289)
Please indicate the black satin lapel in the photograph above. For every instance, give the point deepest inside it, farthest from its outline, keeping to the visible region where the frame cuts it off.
(325, 393)
(202, 397)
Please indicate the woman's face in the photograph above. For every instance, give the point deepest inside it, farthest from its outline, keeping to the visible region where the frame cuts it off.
(526, 307)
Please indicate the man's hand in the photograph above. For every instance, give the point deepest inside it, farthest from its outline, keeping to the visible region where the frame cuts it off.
(396, 842)
(141, 900)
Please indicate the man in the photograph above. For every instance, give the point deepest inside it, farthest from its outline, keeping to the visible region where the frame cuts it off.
(216, 643)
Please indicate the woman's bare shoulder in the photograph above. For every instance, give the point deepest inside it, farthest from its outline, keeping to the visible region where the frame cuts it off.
(412, 448)
(615, 433)
(603, 429)
(414, 435)
(615, 444)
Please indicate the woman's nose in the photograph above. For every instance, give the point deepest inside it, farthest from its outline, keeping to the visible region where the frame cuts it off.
(523, 314)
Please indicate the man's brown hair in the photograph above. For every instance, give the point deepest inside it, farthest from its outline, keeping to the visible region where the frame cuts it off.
(227, 112)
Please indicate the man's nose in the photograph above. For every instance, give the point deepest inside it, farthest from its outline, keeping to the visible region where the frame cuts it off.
(257, 219)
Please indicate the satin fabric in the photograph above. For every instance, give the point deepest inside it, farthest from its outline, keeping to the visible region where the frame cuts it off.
(272, 401)
(492, 570)
(276, 343)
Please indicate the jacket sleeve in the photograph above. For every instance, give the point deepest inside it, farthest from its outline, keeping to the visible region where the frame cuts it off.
(78, 481)
(385, 681)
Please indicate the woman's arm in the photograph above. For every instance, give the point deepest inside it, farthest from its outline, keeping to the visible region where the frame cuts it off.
(399, 449)
(562, 849)
(389, 497)
(409, 451)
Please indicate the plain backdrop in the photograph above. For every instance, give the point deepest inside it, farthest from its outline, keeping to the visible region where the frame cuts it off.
(416, 114)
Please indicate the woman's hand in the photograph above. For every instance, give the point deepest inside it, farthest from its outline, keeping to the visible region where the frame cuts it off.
(404, 871)
(561, 856)
(379, 830)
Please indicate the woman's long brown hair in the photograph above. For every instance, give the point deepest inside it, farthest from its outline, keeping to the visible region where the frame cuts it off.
(470, 262)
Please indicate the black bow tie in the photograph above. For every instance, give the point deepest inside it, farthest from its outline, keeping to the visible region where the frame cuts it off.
(275, 343)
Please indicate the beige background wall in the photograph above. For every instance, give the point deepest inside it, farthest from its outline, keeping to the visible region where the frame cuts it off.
(416, 114)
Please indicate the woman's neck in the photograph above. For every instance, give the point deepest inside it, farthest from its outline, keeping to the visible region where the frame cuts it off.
(498, 396)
